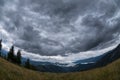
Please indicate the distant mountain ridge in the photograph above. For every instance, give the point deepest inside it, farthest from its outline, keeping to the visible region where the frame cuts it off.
(102, 61)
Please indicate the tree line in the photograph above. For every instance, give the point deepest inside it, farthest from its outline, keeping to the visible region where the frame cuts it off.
(17, 59)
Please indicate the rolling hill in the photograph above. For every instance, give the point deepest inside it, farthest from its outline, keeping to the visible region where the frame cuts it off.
(9, 71)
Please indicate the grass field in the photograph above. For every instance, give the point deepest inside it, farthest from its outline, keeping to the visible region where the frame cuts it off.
(9, 71)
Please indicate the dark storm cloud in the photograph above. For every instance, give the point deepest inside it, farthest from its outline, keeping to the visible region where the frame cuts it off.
(54, 27)
(1, 2)
(103, 31)
(65, 9)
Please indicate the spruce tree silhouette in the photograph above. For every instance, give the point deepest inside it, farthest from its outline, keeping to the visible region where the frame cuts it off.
(0, 47)
(18, 57)
(27, 63)
(11, 55)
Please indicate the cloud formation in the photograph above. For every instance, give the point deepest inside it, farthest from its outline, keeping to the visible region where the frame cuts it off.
(58, 27)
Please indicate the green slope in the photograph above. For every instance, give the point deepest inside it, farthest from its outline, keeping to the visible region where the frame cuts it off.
(9, 71)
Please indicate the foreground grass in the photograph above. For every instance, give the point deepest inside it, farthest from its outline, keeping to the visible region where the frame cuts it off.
(9, 71)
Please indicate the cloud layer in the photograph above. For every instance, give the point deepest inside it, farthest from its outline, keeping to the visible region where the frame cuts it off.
(58, 27)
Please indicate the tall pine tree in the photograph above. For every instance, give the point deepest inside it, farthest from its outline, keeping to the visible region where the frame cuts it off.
(27, 63)
(11, 55)
(18, 57)
(0, 47)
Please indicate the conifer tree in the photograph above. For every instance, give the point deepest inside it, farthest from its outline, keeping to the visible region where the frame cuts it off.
(27, 63)
(11, 55)
(18, 57)
(0, 47)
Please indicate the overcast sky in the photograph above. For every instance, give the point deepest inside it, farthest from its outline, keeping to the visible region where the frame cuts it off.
(57, 27)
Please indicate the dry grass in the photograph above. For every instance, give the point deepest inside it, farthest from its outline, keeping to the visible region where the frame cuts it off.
(9, 71)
